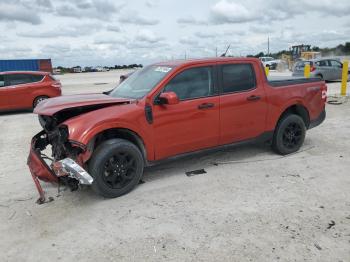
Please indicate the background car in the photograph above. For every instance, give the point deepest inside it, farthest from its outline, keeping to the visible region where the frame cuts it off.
(125, 76)
(25, 89)
(269, 62)
(326, 69)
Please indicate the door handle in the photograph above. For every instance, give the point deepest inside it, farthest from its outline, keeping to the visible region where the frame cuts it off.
(253, 98)
(205, 106)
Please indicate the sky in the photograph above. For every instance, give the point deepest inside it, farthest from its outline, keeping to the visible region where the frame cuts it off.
(102, 32)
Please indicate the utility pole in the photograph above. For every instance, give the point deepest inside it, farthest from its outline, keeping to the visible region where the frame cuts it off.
(268, 45)
(216, 52)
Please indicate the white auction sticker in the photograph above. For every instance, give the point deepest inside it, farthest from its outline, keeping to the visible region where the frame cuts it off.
(163, 69)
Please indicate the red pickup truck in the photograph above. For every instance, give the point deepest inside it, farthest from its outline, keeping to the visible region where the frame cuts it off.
(167, 110)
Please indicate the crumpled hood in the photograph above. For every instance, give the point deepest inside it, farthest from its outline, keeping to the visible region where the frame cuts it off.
(53, 105)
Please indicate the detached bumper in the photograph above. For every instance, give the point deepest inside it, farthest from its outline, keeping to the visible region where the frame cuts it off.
(40, 170)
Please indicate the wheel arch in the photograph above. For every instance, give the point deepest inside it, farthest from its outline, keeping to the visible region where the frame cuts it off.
(297, 109)
(112, 133)
(36, 96)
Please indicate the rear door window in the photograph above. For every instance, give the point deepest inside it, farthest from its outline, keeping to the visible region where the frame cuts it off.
(2, 80)
(237, 78)
(322, 63)
(335, 64)
(37, 78)
(19, 79)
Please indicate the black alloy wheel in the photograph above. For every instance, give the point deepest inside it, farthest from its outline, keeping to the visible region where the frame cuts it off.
(119, 170)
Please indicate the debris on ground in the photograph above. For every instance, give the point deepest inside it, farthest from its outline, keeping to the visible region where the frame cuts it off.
(318, 246)
(196, 172)
(12, 215)
(23, 199)
(331, 224)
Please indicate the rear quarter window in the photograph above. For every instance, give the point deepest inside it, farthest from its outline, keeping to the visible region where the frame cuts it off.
(37, 78)
(237, 78)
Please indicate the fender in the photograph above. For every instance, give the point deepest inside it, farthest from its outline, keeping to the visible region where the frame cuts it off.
(82, 135)
(276, 114)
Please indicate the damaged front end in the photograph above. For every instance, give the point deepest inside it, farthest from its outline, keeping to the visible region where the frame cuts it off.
(64, 167)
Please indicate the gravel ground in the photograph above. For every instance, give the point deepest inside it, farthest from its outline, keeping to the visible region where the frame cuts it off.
(252, 206)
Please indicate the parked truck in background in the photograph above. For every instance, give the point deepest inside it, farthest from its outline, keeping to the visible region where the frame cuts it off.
(44, 65)
(167, 110)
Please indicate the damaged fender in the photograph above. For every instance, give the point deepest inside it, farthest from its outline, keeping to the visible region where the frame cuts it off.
(54, 173)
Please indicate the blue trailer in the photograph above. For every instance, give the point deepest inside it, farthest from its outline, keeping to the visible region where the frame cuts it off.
(26, 65)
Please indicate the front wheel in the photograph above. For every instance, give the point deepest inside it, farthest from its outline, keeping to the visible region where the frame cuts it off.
(117, 167)
(289, 135)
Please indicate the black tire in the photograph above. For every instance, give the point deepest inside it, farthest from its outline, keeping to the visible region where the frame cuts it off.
(289, 134)
(117, 167)
(38, 99)
(320, 76)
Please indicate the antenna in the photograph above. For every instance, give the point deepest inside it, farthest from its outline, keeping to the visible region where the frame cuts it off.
(224, 54)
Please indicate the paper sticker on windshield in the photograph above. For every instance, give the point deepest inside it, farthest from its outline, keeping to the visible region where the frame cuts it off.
(162, 69)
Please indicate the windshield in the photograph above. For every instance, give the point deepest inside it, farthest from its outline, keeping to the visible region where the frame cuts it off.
(141, 82)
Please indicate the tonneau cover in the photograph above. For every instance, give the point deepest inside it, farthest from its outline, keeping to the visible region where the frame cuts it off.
(286, 81)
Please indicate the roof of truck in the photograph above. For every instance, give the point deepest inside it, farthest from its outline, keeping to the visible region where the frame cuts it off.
(204, 60)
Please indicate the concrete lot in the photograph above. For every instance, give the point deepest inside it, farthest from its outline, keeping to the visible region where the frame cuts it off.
(253, 206)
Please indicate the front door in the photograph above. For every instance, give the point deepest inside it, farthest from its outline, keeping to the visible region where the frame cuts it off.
(243, 105)
(193, 123)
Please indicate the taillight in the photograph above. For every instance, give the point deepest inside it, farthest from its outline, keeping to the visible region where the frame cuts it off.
(324, 92)
(312, 69)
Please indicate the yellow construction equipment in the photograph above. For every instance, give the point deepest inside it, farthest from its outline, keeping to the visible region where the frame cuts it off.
(299, 52)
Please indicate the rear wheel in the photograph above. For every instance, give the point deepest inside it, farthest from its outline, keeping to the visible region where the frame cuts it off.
(289, 135)
(116, 166)
(38, 99)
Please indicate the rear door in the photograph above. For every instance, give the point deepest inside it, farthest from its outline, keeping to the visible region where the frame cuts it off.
(243, 106)
(336, 69)
(193, 124)
(323, 69)
(19, 88)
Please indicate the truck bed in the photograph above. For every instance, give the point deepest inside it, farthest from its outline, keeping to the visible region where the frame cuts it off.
(277, 81)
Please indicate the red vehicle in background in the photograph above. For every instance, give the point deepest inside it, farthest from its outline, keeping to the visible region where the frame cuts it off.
(25, 89)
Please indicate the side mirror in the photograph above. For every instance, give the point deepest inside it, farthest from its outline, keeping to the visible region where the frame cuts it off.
(168, 98)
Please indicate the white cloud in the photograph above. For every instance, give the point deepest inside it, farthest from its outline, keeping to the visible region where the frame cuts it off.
(89, 32)
(232, 12)
(13, 12)
(148, 36)
(133, 17)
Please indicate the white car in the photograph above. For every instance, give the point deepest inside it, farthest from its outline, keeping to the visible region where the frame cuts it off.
(269, 62)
